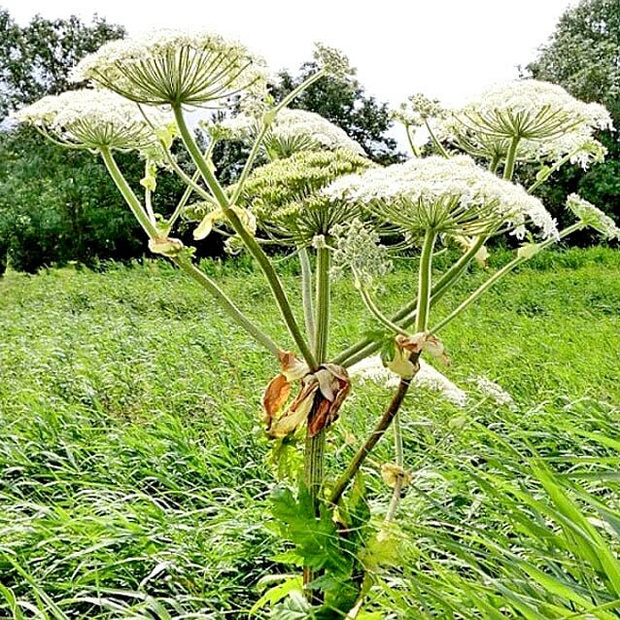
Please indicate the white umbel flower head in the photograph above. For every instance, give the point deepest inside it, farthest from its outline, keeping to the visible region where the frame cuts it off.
(533, 110)
(591, 216)
(95, 119)
(293, 131)
(177, 68)
(448, 196)
(548, 122)
(372, 369)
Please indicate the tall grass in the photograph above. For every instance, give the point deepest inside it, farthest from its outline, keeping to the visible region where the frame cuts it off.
(133, 470)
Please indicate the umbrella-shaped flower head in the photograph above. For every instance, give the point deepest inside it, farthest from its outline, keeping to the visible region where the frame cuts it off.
(177, 68)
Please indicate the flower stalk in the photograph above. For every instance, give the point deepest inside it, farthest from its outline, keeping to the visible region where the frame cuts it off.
(248, 239)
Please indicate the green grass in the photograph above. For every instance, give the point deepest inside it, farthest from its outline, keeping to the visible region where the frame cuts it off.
(133, 472)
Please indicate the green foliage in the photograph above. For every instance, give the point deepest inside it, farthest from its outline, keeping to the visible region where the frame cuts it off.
(131, 484)
(58, 206)
(583, 56)
(319, 545)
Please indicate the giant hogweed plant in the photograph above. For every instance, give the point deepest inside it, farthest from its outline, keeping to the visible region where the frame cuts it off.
(319, 196)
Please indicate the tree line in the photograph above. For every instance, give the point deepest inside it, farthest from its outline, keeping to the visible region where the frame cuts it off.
(57, 207)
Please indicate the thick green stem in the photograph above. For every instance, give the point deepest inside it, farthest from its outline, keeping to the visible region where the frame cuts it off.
(247, 237)
(511, 158)
(314, 454)
(130, 198)
(306, 293)
(378, 432)
(314, 462)
(407, 314)
(425, 281)
(323, 255)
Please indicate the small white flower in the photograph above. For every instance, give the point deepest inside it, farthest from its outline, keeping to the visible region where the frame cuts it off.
(495, 392)
(177, 68)
(372, 368)
(452, 196)
(96, 119)
(593, 217)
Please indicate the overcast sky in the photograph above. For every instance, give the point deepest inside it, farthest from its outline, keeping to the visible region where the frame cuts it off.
(448, 49)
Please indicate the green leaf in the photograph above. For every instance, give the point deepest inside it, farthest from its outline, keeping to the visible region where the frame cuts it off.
(277, 593)
(296, 607)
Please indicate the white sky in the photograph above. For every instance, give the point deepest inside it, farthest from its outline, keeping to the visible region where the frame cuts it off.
(448, 49)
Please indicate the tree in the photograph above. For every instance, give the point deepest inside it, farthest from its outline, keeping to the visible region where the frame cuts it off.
(344, 103)
(54, 206)
(583, 56)
(36, 60)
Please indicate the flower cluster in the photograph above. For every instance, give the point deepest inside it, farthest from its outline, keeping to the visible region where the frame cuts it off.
(548, 123)
(417, 109)
(333, 62)
(358, 249)
(176, 68)
(449, 196)
(283, 194)
(293, 131)
(590, 216)
(494, 392)
(96, 119)
(533, 110)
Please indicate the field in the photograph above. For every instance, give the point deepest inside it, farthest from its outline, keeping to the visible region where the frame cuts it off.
(134, 477)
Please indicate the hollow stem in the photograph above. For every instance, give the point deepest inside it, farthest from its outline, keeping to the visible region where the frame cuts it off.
(247, 237)
(511, 157)
(378, 432)
(323, 255)
(425, 281)
(306, 293)
(314, 454)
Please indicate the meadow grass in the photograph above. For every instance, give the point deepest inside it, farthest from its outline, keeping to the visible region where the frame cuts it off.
(133, 469)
